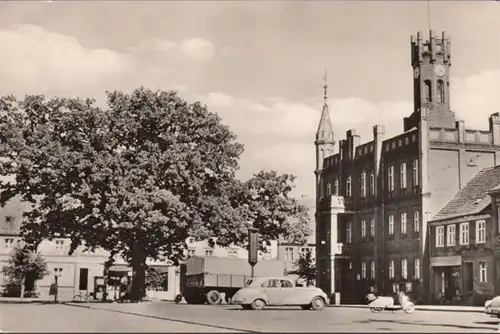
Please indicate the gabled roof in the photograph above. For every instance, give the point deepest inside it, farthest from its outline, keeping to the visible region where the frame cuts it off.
(474, 197)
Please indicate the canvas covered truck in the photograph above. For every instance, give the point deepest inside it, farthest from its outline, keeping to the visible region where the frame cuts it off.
(206, 279)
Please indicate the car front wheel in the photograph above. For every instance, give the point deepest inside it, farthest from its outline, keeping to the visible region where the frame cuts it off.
(258, 304)
(318, 303)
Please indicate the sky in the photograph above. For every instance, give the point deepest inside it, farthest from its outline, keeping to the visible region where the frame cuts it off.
(258, 64)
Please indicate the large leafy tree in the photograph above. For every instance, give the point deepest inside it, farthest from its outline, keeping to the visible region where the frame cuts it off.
(136, 179)
(24, 265)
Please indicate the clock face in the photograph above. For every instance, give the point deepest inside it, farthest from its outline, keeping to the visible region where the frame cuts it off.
(440, 70)
(416, 72)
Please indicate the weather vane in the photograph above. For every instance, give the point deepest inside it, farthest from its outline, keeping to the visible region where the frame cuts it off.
(325, 86)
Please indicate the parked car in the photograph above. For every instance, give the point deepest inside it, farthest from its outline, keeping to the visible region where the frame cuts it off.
(260, 292)
(492, 306)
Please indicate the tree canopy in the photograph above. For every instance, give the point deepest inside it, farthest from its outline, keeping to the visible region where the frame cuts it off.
(135, 179)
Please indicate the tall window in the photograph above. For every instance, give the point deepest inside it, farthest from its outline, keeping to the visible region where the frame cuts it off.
(427, 91)
(416, 269)
(415, 172)
(336, 187)
(402, 175)
(328, 189)
(349, 232)
(404, 268)
(372, 184)
(451, 235)
(403, 223)
(363, 228)
(348, 186)
(391, 269)
(439, 236)
(464, 233)
(483, 273)
(416, 221)
(390, 178)
(363, 184)
(372, 270)
(480, 231)
(363, 270)
(440, 91)
(58, 272)
(59, 244)
(289, 254)
(372, 227)
(391, 225)
(9, 243)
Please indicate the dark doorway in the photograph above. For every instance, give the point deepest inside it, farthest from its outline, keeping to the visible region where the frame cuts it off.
(84, 279)
(468, 278)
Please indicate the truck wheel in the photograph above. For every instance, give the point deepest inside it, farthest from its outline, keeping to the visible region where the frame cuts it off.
(214, 297)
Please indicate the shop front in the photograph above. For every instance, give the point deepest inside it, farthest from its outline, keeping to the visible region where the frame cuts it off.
(448, 279)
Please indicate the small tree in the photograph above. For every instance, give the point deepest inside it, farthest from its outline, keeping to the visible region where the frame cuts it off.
(305, 268)
(24, 266)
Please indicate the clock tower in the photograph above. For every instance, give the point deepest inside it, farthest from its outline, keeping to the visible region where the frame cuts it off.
(431, 61)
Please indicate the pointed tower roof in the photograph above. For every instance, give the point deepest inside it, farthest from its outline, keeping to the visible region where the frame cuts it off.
(325, 129)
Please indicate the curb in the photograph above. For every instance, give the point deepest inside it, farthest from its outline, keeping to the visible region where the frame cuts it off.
(417, 307)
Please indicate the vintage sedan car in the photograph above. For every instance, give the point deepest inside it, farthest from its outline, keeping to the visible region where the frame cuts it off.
(260, 292)
(492, 307)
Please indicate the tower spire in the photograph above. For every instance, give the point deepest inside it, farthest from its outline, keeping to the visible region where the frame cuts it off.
(325, 87)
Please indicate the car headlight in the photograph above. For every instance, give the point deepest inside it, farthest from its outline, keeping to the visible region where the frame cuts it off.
(487, 304)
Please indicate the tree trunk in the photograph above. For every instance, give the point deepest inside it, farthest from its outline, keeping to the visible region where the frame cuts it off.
(138, 290)
(23, 285)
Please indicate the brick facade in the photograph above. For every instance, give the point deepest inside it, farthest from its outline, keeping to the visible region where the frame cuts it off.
(398, 183)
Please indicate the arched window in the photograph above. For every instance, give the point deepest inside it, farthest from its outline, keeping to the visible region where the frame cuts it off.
(427, 91)
(348, 186)
(322, 156)
(336, 187)
(440, 91)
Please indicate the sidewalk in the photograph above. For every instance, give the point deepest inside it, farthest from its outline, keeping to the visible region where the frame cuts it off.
(443, 308)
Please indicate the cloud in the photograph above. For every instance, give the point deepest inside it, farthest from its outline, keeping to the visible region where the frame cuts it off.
(279, 135)
(198, 49)
(34, 60)
(32, 57)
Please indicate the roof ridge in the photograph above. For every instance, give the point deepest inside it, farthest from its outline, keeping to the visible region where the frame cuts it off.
(472, 191)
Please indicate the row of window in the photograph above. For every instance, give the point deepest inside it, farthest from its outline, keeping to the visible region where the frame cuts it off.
(290, 252)
(391, 272)
(451, 235)
(402, 175)
(371, 230)
(9, 243)
(404, 269)
(367, 186)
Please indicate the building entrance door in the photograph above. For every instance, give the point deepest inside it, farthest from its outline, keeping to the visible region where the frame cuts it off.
(468, 279)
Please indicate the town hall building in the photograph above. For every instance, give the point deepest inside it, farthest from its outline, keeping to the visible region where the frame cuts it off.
(374, 200)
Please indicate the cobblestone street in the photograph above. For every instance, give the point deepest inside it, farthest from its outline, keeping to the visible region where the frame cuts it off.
(168, 317)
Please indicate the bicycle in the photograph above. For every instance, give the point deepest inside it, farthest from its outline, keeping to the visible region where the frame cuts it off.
(83, 296)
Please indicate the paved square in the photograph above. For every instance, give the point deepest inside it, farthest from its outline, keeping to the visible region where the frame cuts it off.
(169, 317)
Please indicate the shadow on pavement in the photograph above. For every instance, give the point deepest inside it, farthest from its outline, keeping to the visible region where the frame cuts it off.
(267, 309)
(160, 318)
(491, 322)
(371, 321)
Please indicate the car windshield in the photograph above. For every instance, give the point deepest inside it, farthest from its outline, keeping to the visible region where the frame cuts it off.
(248, 282)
